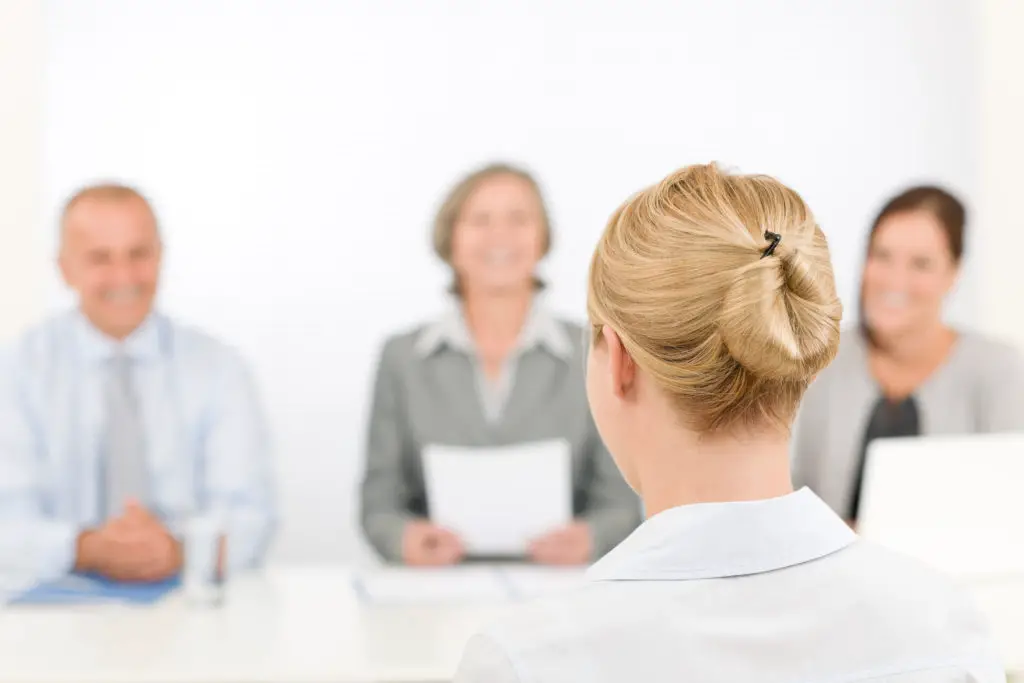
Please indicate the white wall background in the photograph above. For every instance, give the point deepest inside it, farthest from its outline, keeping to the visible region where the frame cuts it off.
(22, 275)
(1000, 213)
(295, 151)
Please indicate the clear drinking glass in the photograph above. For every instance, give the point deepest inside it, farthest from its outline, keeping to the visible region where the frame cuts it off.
(203, 574)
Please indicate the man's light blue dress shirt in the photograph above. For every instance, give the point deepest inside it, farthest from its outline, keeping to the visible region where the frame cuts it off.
(207, 447)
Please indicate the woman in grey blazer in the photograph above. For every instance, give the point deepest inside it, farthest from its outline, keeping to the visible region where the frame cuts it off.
(498, 369)
(904, 372)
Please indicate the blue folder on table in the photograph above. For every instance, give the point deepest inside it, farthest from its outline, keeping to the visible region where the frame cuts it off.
(79, 589)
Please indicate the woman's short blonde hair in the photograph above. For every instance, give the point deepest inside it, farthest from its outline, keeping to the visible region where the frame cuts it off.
(732, 335)
(451, 208)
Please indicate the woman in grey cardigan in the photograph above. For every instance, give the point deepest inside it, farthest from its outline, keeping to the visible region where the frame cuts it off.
(498, 369)
(904, 372)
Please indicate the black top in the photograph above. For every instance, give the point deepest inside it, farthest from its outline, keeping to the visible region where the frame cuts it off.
(888, 419)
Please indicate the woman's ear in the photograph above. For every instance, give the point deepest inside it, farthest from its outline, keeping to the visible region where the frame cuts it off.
(620, 364)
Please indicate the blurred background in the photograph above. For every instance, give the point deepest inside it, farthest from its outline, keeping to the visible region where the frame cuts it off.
(296, 150)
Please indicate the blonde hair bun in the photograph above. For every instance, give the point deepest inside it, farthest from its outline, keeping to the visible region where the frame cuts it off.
(777, 319)
(730, 328)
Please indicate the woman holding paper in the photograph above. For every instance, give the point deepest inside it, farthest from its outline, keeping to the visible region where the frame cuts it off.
(713, 304)
(496, 376)
(904, 372)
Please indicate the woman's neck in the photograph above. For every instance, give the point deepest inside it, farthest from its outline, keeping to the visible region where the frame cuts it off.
(496, 318)
(917, 347)
(720, 469)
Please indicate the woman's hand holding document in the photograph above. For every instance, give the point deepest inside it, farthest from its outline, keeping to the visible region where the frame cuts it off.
(507, 501)
(568, 545)
(425, 544)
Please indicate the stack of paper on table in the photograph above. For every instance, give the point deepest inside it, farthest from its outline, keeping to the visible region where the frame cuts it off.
(408, 585)
(527, 582)
(472, 583)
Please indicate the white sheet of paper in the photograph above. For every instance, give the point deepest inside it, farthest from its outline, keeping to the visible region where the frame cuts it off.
(528, 582)
(499, 499)
(448, 585)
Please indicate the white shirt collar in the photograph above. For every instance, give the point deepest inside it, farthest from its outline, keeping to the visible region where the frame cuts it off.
(714, 540)
(144, 343)
(541, 330)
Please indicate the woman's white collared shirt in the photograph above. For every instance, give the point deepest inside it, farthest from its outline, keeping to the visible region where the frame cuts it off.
(772, 590)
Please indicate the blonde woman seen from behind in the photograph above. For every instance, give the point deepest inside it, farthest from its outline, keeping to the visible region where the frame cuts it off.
(713, 304)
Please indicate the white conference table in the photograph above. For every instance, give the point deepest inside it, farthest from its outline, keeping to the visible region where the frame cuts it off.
(286, 626)
(292, 626)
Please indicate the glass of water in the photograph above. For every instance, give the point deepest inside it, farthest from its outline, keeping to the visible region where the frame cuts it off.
(203, 573)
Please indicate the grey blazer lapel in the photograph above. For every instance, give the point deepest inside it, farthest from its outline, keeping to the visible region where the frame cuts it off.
(535, 383)
(453, 377)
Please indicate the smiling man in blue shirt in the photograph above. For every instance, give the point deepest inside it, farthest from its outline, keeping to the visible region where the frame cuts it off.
(117, 424)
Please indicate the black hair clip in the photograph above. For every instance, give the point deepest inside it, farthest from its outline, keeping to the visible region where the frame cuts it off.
(775, 238)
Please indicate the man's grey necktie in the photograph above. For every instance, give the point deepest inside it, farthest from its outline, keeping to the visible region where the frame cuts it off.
(126, 473)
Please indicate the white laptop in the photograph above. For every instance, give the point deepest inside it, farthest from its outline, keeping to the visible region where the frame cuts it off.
(955, 502)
